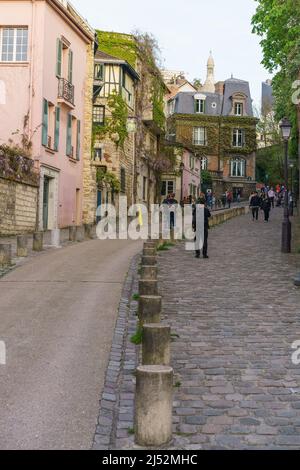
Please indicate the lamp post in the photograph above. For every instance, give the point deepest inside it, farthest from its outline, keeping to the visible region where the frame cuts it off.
(286, 127)
(291, 208)
(181, 167)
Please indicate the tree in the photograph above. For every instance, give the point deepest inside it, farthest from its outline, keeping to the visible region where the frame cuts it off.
(278, 23)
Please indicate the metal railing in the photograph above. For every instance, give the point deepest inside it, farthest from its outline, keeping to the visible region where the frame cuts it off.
(66, 90)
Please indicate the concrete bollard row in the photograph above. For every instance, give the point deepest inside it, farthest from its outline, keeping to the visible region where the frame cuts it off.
(154, 378)
(153, 405)
(72, 233)
(22, 250)
(37, 241)
(5, 254)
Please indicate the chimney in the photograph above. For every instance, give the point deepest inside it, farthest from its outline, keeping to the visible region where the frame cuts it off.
(219, 87)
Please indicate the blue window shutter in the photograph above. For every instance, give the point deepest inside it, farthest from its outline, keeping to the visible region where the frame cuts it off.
(69, 135)
(57, 122)
(58, 57)
(70, 66)
(78, 141)
(45, 123)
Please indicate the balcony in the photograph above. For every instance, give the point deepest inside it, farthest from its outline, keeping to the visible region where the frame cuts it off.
(66, 92)
(215, 174)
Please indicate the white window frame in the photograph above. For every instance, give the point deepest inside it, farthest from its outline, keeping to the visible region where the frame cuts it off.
(200, 136)
(236, 134)
(200, 106)
(238, 168)
(204, 163)
(167, 187)
(14, 28)
(238, 109)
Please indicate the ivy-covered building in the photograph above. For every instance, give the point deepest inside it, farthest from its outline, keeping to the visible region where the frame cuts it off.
(128, 120)
(218, 123)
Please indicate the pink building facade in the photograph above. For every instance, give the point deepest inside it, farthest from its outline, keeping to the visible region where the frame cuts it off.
(191, 178)
(43, 61)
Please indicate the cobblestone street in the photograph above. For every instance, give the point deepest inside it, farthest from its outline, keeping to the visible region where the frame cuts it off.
(236, 316)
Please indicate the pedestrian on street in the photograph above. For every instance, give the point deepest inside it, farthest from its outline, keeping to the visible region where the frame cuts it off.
(255, 203)
(229, 198)
(207, 215)
(223, 199)
(271, 196)
(266, 207)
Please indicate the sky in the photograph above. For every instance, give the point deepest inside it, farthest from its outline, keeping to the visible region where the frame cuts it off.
(186, 31)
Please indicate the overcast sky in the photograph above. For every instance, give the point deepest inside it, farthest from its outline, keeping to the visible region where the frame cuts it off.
(187, 30)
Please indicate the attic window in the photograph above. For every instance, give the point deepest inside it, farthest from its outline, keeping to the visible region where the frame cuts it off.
(199, 106)
(214, 105)
(238, 109)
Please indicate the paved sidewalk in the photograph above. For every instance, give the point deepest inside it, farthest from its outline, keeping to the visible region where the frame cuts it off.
(237, 315)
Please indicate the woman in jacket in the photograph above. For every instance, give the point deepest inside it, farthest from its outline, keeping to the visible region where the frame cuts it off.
(255, 203)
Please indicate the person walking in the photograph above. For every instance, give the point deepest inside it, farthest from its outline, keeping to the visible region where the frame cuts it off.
(207, 215)
(266, 207)
(271, 196)
(255, 203)
(229, 198)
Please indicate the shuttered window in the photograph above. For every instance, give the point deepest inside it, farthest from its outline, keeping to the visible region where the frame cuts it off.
(58, 57)
(56, 132)
(45, 123)
(70, 66)
(69, 136)
(78, 141)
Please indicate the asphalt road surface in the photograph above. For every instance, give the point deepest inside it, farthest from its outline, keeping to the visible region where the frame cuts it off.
(57, 315)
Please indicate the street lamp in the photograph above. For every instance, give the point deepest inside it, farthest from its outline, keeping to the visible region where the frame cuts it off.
(286, 127)
(181, 168)
(291, 208)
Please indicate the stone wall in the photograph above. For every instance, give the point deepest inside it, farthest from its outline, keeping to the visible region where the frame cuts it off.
(18, 207)
(219, 217)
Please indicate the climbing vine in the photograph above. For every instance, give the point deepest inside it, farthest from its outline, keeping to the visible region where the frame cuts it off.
(115, 125)
(106, 178)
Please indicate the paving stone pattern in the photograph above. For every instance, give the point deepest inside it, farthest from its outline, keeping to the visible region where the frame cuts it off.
(237, 315)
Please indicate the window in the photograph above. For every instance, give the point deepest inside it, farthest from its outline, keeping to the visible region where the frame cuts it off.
(200, 106)
(199, 136)
(204, 163)
(193, 190)
(123, 180)
(238, 167)
(238, 138)
(99, 72)
(98, 154)
(192, 162)
(167, 187)
(171, 106)
(98, 115)
(78, 142)
(69, 148)
(50, 125)
(238, 109)
(14, 44)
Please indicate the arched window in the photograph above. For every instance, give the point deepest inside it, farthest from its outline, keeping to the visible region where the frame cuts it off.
(238, 167)
(204, 163)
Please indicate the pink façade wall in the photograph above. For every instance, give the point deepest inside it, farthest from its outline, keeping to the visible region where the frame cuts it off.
(190, 176)
(27, 85)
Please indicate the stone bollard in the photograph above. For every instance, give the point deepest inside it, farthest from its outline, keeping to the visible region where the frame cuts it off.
(153, 405)
(149, 309)
(149, 272)
(156, 344)
(149, 260)
(72, 233)
(172, 235)
(148, 287)
(79, 233)
(149, 251)
(55, 237)
(37, 241)
(88, 231)
(5, 254)
(22, 241)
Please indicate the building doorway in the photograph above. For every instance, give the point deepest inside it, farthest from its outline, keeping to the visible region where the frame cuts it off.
(46, 202)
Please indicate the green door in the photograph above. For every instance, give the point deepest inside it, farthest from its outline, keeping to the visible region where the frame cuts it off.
(45, 202)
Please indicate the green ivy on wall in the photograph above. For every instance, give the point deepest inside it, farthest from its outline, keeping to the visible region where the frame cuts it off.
(115, 126)
(108, 179)
(118, 45)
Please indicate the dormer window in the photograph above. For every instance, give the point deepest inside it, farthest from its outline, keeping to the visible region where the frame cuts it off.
(238, 109)
(99, 72)
(200, 106)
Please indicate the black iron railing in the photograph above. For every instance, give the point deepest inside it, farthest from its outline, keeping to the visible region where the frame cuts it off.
(66, 90)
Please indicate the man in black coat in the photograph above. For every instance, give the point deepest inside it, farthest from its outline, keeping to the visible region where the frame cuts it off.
(207, 215)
